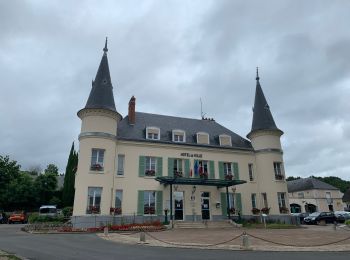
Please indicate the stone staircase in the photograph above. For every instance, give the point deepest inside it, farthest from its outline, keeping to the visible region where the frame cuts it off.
(203, 224)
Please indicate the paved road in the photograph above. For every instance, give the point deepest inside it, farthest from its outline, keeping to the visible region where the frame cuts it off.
(89, 246)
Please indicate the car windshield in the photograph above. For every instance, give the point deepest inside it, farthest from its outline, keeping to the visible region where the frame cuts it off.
(48, 210)
(315, 214)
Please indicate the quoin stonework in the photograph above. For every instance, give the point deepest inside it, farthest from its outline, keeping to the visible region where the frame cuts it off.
(143, 164)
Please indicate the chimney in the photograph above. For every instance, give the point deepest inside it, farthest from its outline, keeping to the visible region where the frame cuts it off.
(131, 114)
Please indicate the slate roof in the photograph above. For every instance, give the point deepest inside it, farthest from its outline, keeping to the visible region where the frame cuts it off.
(346, 197)
(308, 184)
(101, 95)
(262, 117)
(166, 124)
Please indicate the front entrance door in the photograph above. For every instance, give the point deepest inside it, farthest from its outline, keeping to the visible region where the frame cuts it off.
(205, 205)
(179, 205)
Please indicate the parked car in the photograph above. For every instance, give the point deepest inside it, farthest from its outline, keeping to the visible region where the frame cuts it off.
(317, 217)
(342, 216)
(48, 210)
(18, 217)
(300, 216)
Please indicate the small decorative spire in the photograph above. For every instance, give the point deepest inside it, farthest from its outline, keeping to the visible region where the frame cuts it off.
(105, 49)
(257, 73)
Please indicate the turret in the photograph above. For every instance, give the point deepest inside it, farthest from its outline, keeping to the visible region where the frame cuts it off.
(265, 139)
(97, 145)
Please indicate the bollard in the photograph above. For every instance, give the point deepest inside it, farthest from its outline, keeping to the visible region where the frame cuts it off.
(245, 242)
(105, 231)
(142, 237)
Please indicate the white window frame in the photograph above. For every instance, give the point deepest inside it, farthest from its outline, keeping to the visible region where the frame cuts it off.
(281, 201)
(149, 201)
(203, 133)
(120, 164)
(253, 200)
(178, 132)
(152, 165)
(225, 136)
(152, 136)
(178, 166)
(94, 196)
(93, 164)
(228, 168)
(251, 171)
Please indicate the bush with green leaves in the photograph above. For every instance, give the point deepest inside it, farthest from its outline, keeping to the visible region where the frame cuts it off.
(347, 222)
(36, 218)
(67, 211)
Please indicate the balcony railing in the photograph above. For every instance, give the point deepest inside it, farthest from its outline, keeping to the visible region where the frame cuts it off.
(279, 177)
(150, 173)
(93, 210)
(96, 167)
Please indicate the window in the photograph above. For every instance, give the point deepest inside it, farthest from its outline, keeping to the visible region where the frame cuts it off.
(149, 202)
(178, 167)
(121, 159)
(250, 172)
(227, 168)
(329, 198)
(151, 163)
(202, 138)
(94, 200)
(153, 133)
(179, 136)
(231, 203)
(203, 168)
(97, 156)
(253, 197)
(282, 202)
(118, 202)
(300, 195)
(264, 200)
(225, 140)
(277, 166)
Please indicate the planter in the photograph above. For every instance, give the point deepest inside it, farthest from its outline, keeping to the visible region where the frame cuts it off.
(150, 173)
(178, 174)
(228, 177)
(96, 167)
(265, 211)
(255, 211)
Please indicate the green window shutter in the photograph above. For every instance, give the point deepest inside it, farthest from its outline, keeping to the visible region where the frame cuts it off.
(171, 167)
(223, 204)
(141, 166)
(187, 168)
(140, 201)
(238, 202)
(221, 171)
(159, 206)
(159, 167)
(235, 171)
(211, 170)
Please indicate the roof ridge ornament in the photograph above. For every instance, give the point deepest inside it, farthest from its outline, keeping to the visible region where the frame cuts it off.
(105, 49)
(257, 74)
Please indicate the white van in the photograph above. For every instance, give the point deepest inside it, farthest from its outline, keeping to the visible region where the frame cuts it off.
(48, 210)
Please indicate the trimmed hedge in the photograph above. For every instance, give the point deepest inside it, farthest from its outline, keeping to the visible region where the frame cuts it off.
(35, 218)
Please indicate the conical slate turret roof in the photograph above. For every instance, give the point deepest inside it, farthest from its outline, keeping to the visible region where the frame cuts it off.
(101, 95)
(262, 117)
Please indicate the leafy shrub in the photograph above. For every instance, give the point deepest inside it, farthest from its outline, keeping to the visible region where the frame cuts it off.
(35, 218)
(347, 222)
(67, 211)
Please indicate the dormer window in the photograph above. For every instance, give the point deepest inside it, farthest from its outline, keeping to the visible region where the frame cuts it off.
(179, 136)
(225, 140)
(153, 133)
(202, 138)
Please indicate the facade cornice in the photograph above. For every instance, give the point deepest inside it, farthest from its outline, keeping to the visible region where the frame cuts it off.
(186, 146)
(97, 135)
(99, 112)
(269, 150)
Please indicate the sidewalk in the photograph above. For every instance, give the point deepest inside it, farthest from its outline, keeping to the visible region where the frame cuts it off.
(308, 238)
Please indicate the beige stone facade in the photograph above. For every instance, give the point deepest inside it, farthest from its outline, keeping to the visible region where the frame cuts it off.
(120, 159)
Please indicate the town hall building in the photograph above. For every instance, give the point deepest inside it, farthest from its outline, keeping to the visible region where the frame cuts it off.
(148, 165)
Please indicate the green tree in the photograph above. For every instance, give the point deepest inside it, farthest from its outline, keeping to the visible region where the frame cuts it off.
(21, 193)
(51, 168)
(69, 178)
(291, 178)
(45, 186)
(9, 171)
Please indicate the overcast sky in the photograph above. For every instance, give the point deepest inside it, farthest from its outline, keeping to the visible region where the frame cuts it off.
(169, 54)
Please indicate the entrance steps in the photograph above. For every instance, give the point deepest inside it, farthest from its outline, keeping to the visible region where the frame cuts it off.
(203, 224)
